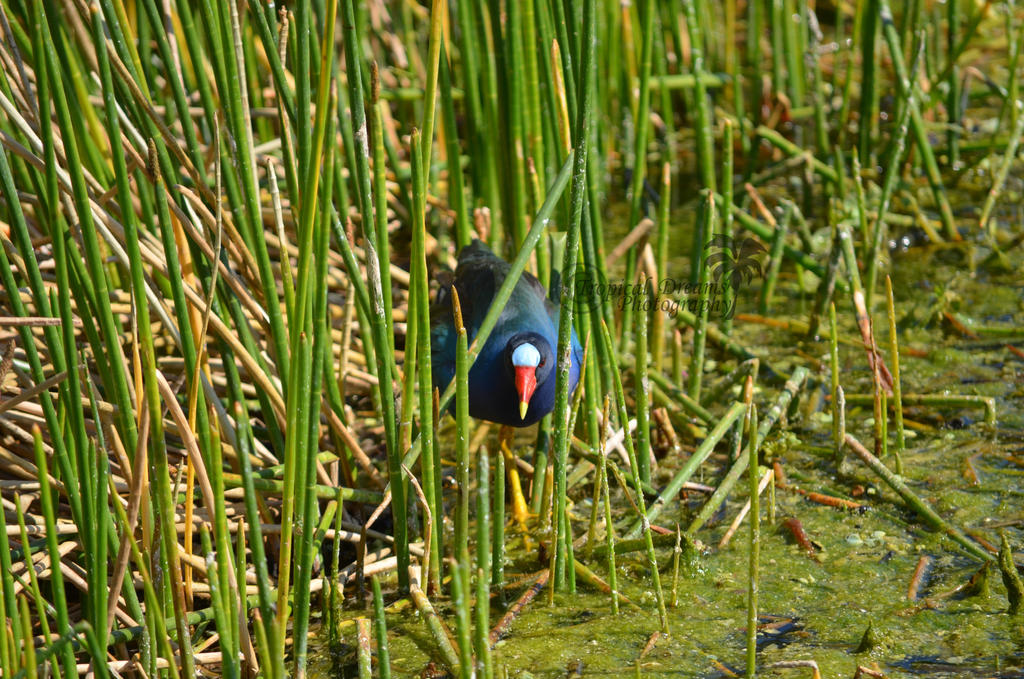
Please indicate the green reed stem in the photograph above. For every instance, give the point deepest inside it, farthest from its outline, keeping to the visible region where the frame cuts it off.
(641, 503)
(293, 486)
(700, 330)
(595, 507)
(924, 147)
(987, 403)
(641, 123)
(108, 355)
(894, 362)
(380, 198)
(49, 511)
(661, 260)
(378, 322)
(762, 231)
(728, 199)
(609, 527)
(834, 365)
(463, 629)
(703, 123)
(380, 628)
(867, 19)
(7, 590)
(724, 487)
(1009, 155)
(513, 94)
(789, 391)
(531, 78)
(437, 12)
(481, 630)
(233, 81)
(456, 191)
(821, 125)
(775, 258)
(754, 546)
(316, 358)
(889, 183)
(642, 394)
(460, 576)
(364, 654)
(725, 386)
(794, 151)
(576, 202)
(957, 50)
(419, 305)
(778, 32)
(498, 522)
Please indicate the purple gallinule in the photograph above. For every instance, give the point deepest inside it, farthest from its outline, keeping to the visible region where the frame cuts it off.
(513, 379)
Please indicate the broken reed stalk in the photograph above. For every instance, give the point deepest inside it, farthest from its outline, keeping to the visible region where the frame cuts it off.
(435, 626)
(913, 501)
(919, 572)
(537, 584)
(860, 304)
(986, 403)
(702, 453)
(785, 397)
(881, 415)
(735, 471)
(735, 379)
(767, 480)
(1011, 576)
(595, 499)
(676, 399)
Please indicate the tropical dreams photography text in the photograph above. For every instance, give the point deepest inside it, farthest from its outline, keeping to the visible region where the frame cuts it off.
(733, 264)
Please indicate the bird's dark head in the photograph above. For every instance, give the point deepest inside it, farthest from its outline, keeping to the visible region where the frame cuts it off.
(529, 360)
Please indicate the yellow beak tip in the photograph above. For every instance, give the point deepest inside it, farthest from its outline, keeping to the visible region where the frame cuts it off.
(523, 407)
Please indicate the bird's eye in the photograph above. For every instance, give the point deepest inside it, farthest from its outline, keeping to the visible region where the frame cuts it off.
(542, 362)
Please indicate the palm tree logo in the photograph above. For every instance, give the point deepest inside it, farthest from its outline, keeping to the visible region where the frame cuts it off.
(734, 261)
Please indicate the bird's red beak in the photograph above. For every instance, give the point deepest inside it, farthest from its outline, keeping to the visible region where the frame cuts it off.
(526, 382)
